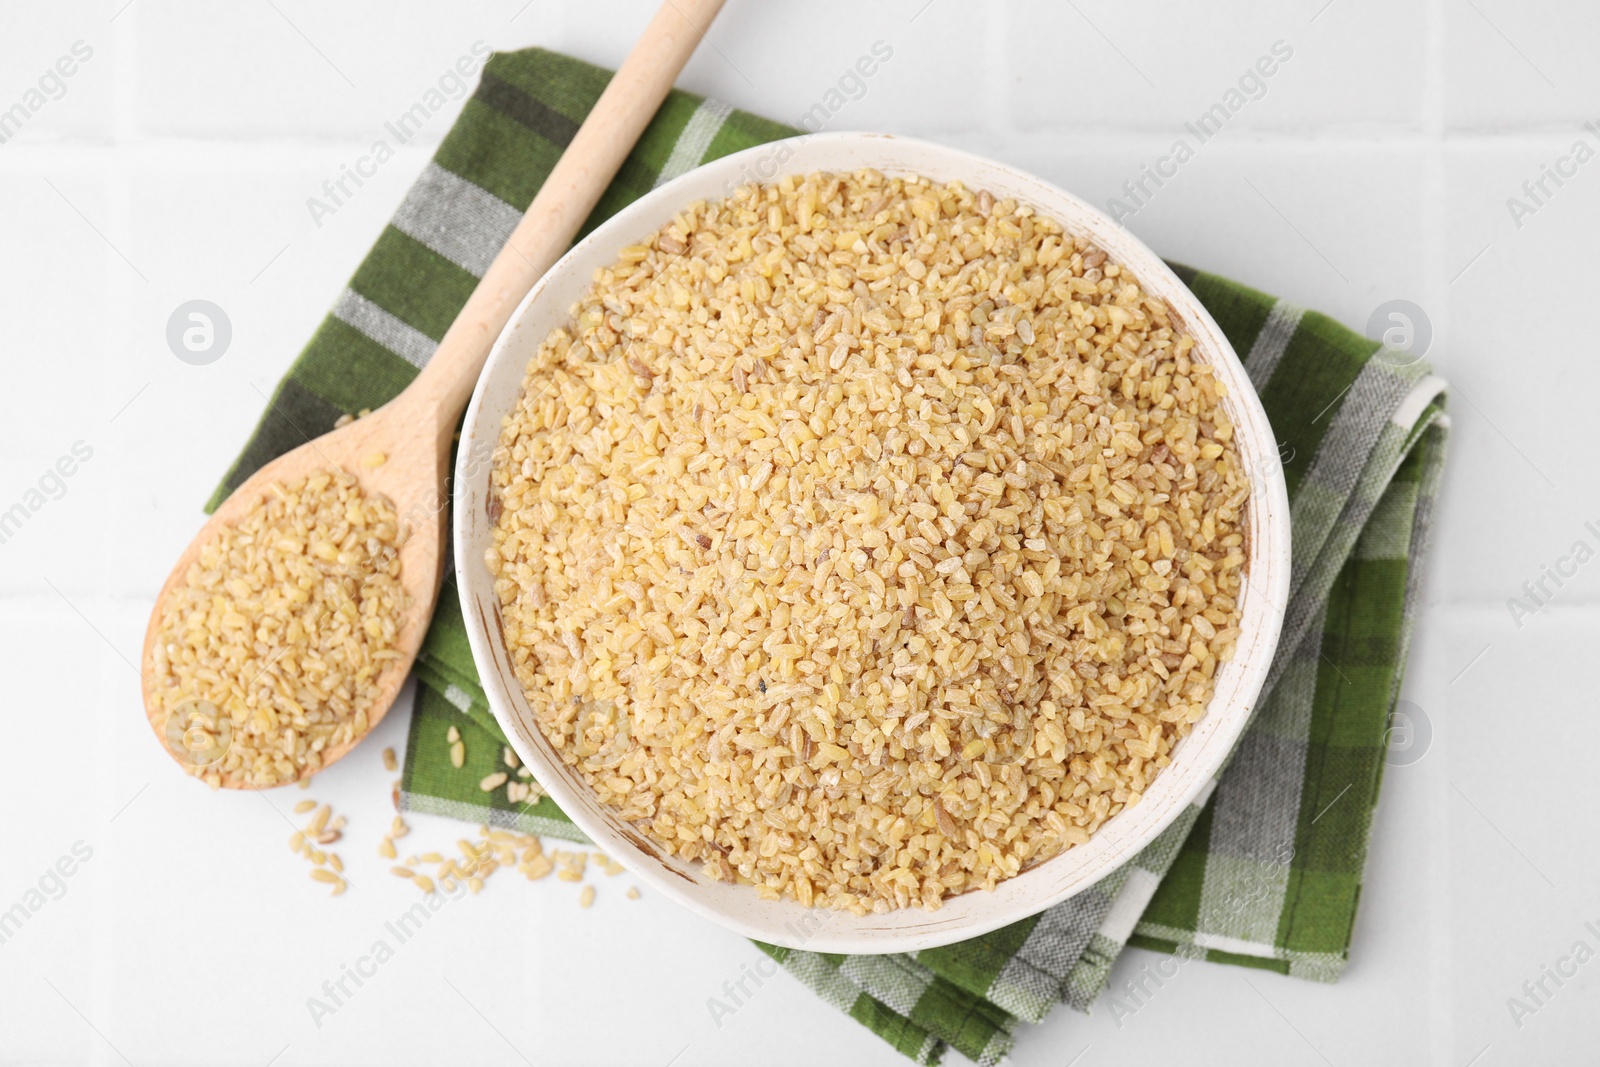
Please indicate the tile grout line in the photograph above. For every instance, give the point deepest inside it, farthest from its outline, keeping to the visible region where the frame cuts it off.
(997, 90)
(124, 116)
(125, 136)
(1439, 1028)
(102, 1000)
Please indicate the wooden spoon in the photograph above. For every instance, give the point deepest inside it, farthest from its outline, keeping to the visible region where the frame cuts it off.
(414, 430)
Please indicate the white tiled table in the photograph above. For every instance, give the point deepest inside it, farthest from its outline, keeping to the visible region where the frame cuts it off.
(177, 165)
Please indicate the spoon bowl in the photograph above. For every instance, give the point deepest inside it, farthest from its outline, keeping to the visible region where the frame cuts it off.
(411, 474)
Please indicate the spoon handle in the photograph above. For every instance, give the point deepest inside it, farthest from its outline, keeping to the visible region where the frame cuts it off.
(565, 199)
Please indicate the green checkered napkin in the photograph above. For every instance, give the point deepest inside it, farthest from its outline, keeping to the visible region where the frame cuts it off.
(1263, 871)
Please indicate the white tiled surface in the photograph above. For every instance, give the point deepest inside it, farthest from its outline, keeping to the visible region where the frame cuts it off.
(1376, 164)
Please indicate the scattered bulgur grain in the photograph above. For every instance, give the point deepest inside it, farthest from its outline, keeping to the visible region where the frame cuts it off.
(304, 806)
(633, 892)
(458, 754)
(386, 848)
(493, 782)
(389, 762)
(908, 570)
(586, 898)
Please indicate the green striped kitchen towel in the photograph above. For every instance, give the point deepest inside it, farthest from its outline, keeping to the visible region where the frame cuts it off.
(1264, 871)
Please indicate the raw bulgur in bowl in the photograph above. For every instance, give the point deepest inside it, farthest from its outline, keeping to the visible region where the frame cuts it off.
(868, 536)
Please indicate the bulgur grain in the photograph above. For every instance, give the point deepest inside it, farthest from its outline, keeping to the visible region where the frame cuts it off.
(286, 621)
(877, 619)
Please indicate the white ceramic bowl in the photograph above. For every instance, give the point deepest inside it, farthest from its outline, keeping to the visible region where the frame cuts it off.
(1195, 760)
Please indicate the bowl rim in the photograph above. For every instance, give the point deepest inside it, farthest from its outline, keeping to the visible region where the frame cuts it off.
(1189, 782)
